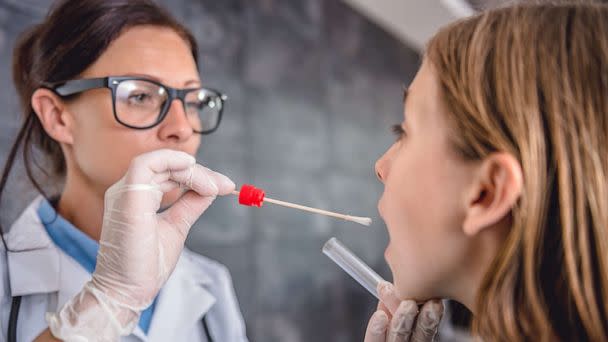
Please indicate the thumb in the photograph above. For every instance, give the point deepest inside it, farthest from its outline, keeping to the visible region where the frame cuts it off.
(188, 208)
(178, 220)
(205, 185)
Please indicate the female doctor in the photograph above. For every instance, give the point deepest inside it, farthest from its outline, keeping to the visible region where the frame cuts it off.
(110, 88)
(101, 82)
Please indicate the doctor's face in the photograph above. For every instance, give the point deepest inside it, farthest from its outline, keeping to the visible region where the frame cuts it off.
(423, 203)
(103, 148)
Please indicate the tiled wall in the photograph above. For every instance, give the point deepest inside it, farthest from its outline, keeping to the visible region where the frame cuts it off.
(313, 89)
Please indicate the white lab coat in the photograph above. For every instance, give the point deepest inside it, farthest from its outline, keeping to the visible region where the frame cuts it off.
(46, 278)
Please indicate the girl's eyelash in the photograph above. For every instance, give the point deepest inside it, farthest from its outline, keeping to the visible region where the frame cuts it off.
(398, 131)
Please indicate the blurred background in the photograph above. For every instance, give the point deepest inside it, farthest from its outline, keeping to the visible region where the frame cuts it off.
(314, 86)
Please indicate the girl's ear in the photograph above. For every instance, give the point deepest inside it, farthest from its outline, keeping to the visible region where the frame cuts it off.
(495, 191)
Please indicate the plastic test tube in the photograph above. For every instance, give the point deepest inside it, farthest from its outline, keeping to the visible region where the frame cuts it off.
(352, 265)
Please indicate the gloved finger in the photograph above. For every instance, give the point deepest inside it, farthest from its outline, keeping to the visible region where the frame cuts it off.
(203, 181)
(428, 321)
(383, 307)
(403, 321)
(388, 296)
(376, 328)
(144, 168)
(225, 185)
(186, 210)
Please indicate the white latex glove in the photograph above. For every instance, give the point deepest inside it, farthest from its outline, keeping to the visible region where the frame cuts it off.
(399, 321)
(139, 247)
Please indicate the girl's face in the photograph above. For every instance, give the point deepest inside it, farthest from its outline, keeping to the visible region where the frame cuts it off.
(102, 148)
(425, 197)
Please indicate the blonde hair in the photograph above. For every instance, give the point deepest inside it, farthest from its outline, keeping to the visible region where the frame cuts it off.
(532, 80)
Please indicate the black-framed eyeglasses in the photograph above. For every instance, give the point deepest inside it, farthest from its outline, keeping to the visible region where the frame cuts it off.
(141, 103)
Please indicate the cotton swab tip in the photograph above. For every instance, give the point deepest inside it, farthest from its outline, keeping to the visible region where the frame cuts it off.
(366, 221)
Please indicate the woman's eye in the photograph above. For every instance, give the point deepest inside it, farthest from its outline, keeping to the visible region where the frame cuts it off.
(198, 105)
(139, 98)
(399, 132)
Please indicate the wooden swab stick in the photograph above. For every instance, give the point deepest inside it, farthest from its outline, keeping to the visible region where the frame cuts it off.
(366, 221)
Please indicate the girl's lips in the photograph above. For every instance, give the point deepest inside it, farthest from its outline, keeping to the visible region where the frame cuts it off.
(387, 253)
(379, 207)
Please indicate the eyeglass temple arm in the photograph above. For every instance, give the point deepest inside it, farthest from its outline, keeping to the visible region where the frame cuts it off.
(77, 86)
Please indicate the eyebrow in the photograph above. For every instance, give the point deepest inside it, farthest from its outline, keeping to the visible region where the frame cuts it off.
(192, 82)
(154, 78)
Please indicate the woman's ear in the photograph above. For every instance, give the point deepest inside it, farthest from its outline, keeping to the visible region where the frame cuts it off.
(495, 190)
(51, 112)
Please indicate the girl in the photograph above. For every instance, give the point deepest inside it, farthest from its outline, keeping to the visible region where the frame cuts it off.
(496, 190)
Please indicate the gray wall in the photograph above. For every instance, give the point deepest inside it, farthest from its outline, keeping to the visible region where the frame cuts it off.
(313, 89)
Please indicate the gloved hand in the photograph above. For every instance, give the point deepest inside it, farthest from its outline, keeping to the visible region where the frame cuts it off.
(400, 321)
(139, 247)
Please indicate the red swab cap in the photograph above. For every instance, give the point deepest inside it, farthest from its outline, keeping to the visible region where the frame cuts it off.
(251, 196)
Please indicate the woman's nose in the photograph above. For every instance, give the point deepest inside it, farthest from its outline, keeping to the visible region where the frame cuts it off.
(381, 167)
(176, 125)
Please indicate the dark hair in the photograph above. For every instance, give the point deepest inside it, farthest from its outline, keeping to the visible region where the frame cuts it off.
(71, 38)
